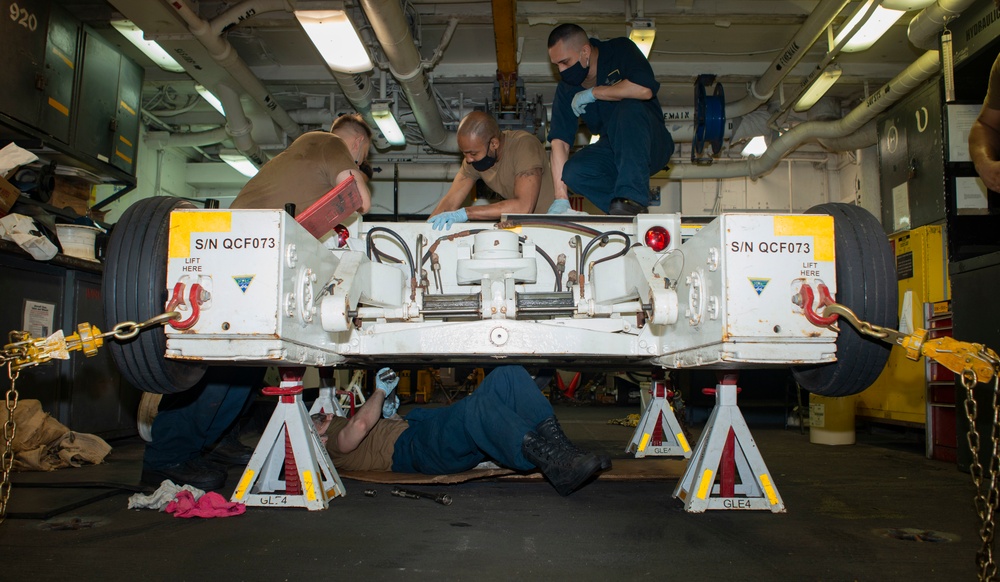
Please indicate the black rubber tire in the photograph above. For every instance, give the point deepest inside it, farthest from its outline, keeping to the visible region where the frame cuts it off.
(135, 289)
(866, 283)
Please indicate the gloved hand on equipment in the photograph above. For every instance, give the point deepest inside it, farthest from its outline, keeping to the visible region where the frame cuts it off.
(444, 220)
(559, 206)
(581, 100)
(386, 381)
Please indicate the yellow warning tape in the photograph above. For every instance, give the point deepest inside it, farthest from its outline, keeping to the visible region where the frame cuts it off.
(705, 484)
(309, 485)
(644, 442)
(245, 481)
(772, 495)
(683, 441)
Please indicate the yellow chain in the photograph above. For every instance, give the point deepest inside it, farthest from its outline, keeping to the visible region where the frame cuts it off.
(987, 496)
(25, 352)
(9, 429)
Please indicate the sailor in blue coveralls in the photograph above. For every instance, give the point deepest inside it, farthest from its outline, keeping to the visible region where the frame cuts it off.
(610, 85)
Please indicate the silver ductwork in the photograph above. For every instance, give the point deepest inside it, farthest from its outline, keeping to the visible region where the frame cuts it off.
(224, 54)
(393, 33)
(238, 127)
(928, 23)
(812, 29)
(918, 72)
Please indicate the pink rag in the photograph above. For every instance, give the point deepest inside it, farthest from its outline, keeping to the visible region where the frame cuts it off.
(208, 505)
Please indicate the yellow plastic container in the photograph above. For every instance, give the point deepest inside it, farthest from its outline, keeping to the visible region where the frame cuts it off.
(831, 420)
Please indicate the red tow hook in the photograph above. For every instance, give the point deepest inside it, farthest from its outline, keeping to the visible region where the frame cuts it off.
(806, 297)
(194, 300)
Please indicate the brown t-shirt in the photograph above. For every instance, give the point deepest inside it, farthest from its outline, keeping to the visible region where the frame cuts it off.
(301, 174)
(521, 152)
(993, 91)
(375, 451)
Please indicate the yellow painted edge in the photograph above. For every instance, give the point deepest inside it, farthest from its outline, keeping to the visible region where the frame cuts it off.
(127, 108)
(119, 153)
(644, 442)
(683, 441)
(818, 226)
(58, 106)
(62, 56)
(245, 481)
(125, 141)
(332, 492)
(183, 224)
(309, 485)
(772, 495)
(705, 484)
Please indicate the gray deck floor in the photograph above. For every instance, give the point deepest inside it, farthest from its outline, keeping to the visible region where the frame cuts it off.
(840, 501)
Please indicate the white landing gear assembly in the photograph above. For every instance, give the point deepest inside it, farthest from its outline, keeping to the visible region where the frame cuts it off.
(560, 292)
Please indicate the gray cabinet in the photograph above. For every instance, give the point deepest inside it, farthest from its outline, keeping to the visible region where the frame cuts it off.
(85, 394)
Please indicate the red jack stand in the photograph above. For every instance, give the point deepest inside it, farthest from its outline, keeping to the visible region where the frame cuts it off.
(658, 432)
(290, 466)
(725, 449)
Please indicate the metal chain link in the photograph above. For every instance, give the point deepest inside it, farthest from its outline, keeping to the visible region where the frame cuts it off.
(987, 496)
(123, 331)
(127, 330)
(9, 429)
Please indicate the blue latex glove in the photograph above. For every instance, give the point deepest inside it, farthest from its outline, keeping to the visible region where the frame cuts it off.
(581, 100)
(559, 206)
(386, 381)
(444, 220)
(390, 406)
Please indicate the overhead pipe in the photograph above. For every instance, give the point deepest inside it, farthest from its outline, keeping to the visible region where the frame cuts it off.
(811, 30)
(357, 88)
(918, 72)
(393, 33)
(865, 137)
(246, 10)
(161, 139)
(925, 26)
(238, 126)
(224, 54)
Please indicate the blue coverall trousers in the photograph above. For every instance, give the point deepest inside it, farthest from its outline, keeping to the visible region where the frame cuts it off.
(190, 421)
(488, 424)
(634, 145)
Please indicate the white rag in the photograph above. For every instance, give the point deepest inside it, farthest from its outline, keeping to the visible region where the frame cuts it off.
(22, 230)
(13, 156)
(159, 499)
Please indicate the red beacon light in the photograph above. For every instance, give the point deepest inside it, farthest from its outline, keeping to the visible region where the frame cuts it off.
(657, 238)
(342, 235)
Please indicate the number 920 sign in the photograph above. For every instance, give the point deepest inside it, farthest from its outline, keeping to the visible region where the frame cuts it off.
(23, 17)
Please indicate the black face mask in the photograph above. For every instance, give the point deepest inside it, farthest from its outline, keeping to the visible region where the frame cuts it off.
(574, 75)
(485, 163)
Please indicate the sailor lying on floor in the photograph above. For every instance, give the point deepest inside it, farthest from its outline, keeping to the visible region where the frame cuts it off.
(506, 419)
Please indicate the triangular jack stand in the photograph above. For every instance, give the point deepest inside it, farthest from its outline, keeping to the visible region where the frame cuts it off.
(725, 449)
(290, 466)
(327, 402)
(658, 433)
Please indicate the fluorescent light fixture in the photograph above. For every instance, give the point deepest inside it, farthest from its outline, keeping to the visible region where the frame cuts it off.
(211, 98)
(240, 163)
(336, 39)
(387, 124)
(148, 47)
(755, 148)
(869, 31)
(819, 86)
(642, 34)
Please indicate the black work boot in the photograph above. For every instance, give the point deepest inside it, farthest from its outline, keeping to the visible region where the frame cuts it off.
(564, 467)
(550, 429)
(198, 473)
(625, 207)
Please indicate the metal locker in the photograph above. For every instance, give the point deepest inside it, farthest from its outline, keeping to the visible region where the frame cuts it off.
(22, 44)
(126, 139)
(60, 67)
(97, 101)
